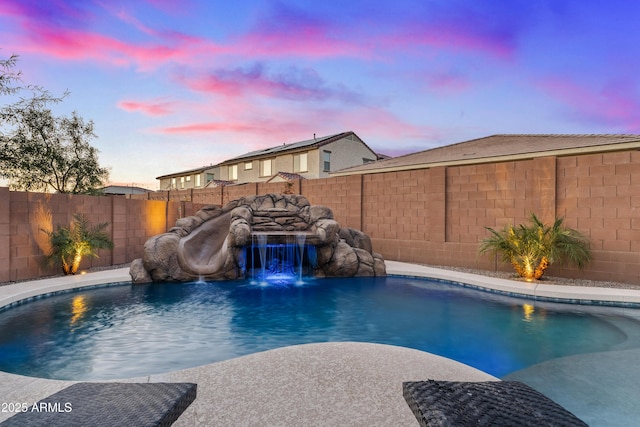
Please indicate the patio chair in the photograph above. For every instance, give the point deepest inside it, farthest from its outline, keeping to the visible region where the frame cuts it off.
(109, 404)
(480, 404)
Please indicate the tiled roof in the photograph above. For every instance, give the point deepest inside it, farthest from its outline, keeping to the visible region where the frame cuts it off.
(499, 147)
(309, 143)
(218, 183)
(287, 176)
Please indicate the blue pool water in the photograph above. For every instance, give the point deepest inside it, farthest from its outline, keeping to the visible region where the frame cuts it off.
(127, 331)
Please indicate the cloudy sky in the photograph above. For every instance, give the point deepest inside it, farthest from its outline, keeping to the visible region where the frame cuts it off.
(174, 85)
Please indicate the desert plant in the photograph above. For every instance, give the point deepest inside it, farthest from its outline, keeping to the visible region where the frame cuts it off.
(532, 248)
(69, 245)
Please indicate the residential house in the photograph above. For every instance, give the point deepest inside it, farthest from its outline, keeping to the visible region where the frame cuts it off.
(123, 190)
(201, 177)
(499, 148)
(312, 158)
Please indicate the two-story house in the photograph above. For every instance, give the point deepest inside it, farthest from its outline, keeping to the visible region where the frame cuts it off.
(313, 158)
(194, 178)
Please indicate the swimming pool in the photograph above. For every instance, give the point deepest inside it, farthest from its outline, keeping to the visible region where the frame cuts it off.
(128, 331)
(125, 331)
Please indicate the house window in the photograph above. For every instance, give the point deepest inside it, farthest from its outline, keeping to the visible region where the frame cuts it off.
(265, 167)
(326, 161)
(300, 162)
(210, 177)
(233, 172)
(173, 183)
(189, 178)
(198, 181)
(182, 182)
(248, 166)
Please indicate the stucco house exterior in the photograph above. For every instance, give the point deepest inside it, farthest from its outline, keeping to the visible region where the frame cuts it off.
(202, 177)
(309, 159)
(312, 158)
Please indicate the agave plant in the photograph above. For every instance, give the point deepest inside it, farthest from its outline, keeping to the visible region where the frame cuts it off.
(532, 248)
(70, 245)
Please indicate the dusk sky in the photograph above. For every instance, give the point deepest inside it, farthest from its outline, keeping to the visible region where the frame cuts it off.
(175, 85)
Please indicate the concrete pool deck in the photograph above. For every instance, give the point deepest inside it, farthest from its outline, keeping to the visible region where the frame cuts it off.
(313, 384)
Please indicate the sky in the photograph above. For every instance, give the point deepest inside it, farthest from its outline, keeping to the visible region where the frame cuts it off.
(176, 85)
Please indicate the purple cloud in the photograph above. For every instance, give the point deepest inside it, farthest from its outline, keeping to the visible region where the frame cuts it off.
(292, 83)
(64, 14)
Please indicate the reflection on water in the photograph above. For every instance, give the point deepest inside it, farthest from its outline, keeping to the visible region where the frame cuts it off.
(78, 308)
(128, 331)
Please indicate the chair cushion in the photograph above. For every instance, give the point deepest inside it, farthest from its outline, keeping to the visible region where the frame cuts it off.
(109, 404)
(491, 403)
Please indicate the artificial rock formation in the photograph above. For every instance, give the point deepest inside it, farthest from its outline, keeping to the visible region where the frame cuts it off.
(211, 244)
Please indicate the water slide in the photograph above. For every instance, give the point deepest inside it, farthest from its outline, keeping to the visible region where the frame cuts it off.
(204, 250)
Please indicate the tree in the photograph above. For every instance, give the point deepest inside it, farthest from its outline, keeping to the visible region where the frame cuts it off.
(69, 245)
(40, 151)
(531, 249)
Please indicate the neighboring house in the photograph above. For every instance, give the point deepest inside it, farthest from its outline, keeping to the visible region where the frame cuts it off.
(205, 176)
(123, 190)
(499, 148)
(313, 158)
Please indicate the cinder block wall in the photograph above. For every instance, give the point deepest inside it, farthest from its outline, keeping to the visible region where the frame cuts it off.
(435, 216)
(24, 218)
(598, 194)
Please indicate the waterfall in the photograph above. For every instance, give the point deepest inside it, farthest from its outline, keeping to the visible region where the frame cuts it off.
(300, 239)
(262, 248)
(278, 258)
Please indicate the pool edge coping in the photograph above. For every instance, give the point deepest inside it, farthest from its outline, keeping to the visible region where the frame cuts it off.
(533, 290)
(16, 292)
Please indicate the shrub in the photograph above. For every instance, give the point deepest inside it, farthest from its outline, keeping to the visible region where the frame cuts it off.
(532, 248)
(69, 245)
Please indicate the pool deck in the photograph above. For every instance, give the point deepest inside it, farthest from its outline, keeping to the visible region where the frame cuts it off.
(328, 384)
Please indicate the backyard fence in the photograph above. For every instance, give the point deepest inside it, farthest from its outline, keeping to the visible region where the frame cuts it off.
(432, 215)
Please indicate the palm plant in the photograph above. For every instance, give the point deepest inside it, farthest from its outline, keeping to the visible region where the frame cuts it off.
(69, 245)
(531, 249)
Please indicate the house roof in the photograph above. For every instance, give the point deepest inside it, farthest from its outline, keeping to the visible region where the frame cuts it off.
(287, 176)
(499, 148)
(293, 147)
(118, 189)
(188, 172)
(218, 183)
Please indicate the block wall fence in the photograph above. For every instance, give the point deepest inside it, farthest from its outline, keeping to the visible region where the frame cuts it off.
(434, 216)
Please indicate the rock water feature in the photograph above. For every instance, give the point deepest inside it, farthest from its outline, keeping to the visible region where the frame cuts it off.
(272, 238)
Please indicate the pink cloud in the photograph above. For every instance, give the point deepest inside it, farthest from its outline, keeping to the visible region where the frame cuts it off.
(151, 108)
(211, 127)
(61, 33)
(83, 45)
(614, 104)
(293, 84)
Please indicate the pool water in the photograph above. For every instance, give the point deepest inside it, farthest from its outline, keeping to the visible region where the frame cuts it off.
(137, 330)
